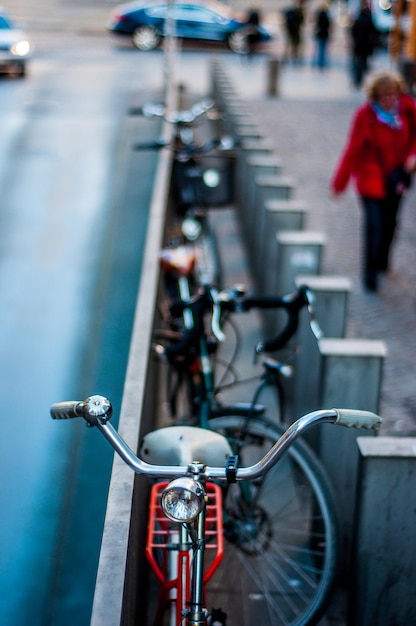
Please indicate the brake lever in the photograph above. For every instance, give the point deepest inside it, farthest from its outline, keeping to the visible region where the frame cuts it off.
(313, 322)
(216, 316)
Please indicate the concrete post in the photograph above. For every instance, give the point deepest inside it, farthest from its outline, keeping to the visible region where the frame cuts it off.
(298, 252)
(254, 166)
(257, 146)
(249, 148)
(266, 188)
(273, 73)
(331, 295)
(350, 377)
(280, 215)
(247, 131)
(383, 580)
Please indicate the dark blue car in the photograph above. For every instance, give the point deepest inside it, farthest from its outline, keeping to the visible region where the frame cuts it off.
(146, 24)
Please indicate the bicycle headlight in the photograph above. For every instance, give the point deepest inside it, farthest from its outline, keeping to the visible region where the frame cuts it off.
(183, 499)
(211, 178)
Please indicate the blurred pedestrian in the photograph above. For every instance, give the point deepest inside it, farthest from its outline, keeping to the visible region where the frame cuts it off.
(253, 32)
(380, 156)
(322, 28)
(294, 20)
(364, 38)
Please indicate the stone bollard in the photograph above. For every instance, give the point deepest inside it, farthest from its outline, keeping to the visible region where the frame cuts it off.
(266, 188)
(331, 308)
(350, 377)
(273, 75)
(256, 146)
(298, 253)
(231, 120)
(254, 166)
(246, 130)
(383, 577)
(280, 215)
(249, 148)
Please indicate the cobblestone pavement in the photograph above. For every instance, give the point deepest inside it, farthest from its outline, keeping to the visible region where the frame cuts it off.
(308, 123)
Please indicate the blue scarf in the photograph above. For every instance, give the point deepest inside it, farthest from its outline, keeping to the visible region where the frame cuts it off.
(391, 118)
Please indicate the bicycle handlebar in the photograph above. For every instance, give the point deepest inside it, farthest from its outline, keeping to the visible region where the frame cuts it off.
(97, 411)
(186, 116)
(234, 300)
(187, 150)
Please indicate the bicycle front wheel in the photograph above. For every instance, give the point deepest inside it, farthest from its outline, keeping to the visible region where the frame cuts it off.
(281, 534)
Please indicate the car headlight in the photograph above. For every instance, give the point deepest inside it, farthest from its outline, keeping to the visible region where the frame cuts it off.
(21, 48)
(183, 500)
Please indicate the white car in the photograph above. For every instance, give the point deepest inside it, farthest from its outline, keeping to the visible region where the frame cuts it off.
(15, 47)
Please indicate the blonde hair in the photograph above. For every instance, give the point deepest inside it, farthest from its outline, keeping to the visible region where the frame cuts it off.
(378, 82)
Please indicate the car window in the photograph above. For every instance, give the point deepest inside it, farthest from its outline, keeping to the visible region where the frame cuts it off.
(4, 23)
(157, 11)
(193, 13)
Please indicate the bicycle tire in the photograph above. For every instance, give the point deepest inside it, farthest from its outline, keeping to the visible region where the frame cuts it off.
(280, 560)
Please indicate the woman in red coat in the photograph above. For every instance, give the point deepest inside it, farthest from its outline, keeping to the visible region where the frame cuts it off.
(379, 157)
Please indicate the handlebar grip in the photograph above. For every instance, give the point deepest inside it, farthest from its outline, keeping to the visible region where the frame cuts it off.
(352, 418)
(66, 410)
(94, 409)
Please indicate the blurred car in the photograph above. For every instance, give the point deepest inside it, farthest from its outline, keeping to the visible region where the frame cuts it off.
(145, 23)
(15, 47)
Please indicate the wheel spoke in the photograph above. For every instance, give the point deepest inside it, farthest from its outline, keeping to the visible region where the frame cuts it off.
(280, 555)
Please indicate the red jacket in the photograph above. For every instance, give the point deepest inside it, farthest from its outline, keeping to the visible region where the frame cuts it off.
(373, 149)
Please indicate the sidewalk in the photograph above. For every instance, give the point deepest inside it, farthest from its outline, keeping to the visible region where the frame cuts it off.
(308, 123)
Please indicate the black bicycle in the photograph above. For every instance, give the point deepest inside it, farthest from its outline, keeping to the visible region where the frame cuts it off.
(201, 181)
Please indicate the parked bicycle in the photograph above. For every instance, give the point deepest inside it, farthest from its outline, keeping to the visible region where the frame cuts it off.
(195, 333)
(184, 540)
(295, 533)
(197, 186)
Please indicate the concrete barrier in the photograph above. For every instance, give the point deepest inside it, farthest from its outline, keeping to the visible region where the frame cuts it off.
(273, 76)
(249, 148)
(119, 596)
(252, 167)
(280, 216)
(331, 295)
(245, 130)
(350, 377)
(298, 252)
(266, 188)
(383, 578)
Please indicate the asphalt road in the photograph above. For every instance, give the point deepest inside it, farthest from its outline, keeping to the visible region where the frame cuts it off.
(73, 219)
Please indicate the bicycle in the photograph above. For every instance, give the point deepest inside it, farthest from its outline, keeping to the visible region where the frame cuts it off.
(192, 350)
(196, 187)
(253, 522)
(185, 515)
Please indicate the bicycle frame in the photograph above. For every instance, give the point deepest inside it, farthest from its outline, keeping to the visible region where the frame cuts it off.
(182, 559)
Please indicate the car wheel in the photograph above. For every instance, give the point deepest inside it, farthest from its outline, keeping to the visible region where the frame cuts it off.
(237, 42)
(145, 38)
